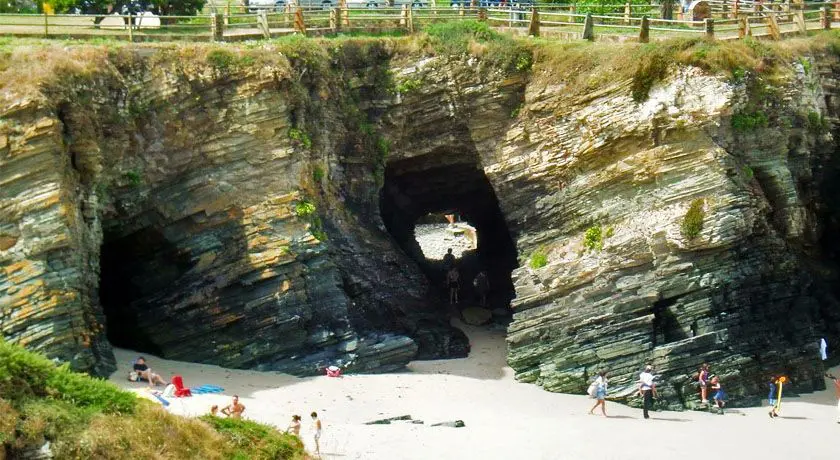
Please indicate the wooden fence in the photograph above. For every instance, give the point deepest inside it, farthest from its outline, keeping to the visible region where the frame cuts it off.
(725, 20)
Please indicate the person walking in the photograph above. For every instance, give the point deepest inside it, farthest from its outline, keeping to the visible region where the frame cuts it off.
(316, 425)
(647, 389)
(771, 396)
(720, 395)
(703, 380)
(600, 393)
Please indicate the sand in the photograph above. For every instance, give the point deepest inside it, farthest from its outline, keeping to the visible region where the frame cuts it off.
(504, 419)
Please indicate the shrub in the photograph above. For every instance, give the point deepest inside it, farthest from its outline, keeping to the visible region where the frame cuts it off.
(748, 172)
(300, 137)
(133, 178)
(304, 208)
(817, 124)
(609, 233)
(692, 222)
(220, 59)
(409, 85)
(593, 239)
(254, 440)
(539, 259)
(317, 174)
(743, 122)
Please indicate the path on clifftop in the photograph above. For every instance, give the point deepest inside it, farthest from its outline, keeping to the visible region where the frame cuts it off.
(504, 419)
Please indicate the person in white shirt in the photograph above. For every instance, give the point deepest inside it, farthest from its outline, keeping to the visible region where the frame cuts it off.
(647, 389)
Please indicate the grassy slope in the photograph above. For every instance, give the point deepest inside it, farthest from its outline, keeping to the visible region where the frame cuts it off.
(84, 417)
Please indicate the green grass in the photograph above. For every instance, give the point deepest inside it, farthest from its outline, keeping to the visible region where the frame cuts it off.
(538, 259)
(745, 122)
(593, 239)
(692, 223)
(84, 417)
(300, 137)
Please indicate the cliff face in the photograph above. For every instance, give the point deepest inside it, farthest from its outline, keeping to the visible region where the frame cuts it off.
(223, 206)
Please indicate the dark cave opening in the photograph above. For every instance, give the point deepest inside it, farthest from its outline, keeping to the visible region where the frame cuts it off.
(420, 191)
(132, 268)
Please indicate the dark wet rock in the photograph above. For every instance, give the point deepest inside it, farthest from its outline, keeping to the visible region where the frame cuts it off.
(453, 424)
(387, 421)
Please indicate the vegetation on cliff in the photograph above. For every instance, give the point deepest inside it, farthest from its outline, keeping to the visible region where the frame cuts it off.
(82, 417)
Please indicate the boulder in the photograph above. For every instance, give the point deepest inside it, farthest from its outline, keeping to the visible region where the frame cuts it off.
(476, 315)
(452, 424)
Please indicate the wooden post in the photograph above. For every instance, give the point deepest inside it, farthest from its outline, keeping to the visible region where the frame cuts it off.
(300, 26)
(735, 5)
(534, 26)
(799, 18)
(262, 23)
(482, 14)
(46, 26)
(334, 19)
(724, 9)
(217, 27)
(227, 14)
(410, 19)
(627, 13)
(404, 15)
(572, 10)
(825, 18)
(130, 28)
(461, 9)
(709, 25)
(644, 31)
(588, 28)
(773, 27)
(743, 27)
(837, 10)
(345, 13)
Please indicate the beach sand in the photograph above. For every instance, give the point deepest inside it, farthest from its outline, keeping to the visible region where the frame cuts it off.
(504, 419)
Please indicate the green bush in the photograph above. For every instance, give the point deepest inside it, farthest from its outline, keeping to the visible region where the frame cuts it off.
(409, 85)
(692, 222)
(255, 440)
(300, 137)
(593, 239)
(317, 174)
(304, 208)
(744, 122)
(748, 172)
(84, 391)
(539, 259)
(817, 124)
(133, 178)
(221, 59)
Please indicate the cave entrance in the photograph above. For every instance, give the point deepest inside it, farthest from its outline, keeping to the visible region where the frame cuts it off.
(430, 207)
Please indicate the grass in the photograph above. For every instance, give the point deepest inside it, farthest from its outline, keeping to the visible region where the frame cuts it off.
(538, 259)
(692, 223)
(593, 238)
(84, 417)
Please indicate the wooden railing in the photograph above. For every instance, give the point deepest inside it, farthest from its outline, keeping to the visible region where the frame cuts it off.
(562, 21)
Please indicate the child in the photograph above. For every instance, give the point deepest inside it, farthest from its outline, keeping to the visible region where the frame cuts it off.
(703, 380)
(720, 395)
(316, 425)
(777, 406)
(771, 396)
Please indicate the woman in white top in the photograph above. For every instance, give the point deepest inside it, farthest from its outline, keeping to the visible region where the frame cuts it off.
(600, 396)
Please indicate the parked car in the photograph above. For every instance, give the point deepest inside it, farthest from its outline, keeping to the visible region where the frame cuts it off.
(259, 5)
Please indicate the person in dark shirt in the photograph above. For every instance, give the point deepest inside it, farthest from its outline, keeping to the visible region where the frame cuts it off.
(143, 371)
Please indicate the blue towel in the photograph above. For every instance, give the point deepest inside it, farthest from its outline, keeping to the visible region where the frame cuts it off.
(162, 401)
(206, 389)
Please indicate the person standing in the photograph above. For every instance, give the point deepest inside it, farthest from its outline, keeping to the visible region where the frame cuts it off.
(453, 281)
(647, 389)
(235, 409)
(294, 427)
(600, 395)
(481, 285)
(720, 395)
(703, 380)
(316, 425)
(771, 396)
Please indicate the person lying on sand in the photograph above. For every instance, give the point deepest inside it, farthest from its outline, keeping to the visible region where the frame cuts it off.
(235, 409)
(143, 371)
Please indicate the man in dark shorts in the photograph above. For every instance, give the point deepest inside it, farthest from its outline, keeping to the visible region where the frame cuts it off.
(453, 281)
(143, 372)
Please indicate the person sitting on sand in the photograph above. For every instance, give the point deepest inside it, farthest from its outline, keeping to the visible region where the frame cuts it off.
(214, 411)
(235, 409)
(143, 372)
(294, 427)
(316, 424)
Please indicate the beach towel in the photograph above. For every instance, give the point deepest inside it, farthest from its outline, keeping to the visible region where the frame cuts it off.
(823, 349)
(180, 391)
(162, 401)
(206, 389)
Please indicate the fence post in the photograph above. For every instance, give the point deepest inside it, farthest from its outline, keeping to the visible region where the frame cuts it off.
(534, 26)
(334, 20)
(217, 27)
(46, 26)
(743, 27)
(482, 14)
(410, 19)
(644, 31)
(627, 13)
(710, 28)
(227, 14)
(837, 10)
(461, 9)
(404, 15)
(345, 13)
(130, 28)
(735, 5)
(825, 18)
(300, 26)
(773, 27)
(262, 23)
(799, 18)
(588, 32)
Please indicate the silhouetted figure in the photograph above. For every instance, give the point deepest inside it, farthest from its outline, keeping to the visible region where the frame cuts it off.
(448, 260)
(482, 286)
(453, 281)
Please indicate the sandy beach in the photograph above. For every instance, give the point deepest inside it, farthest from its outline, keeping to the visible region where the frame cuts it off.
(504, 419)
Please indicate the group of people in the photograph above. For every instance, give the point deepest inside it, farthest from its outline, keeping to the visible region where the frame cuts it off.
(481, 282)
(294, 428)
(706, 380)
